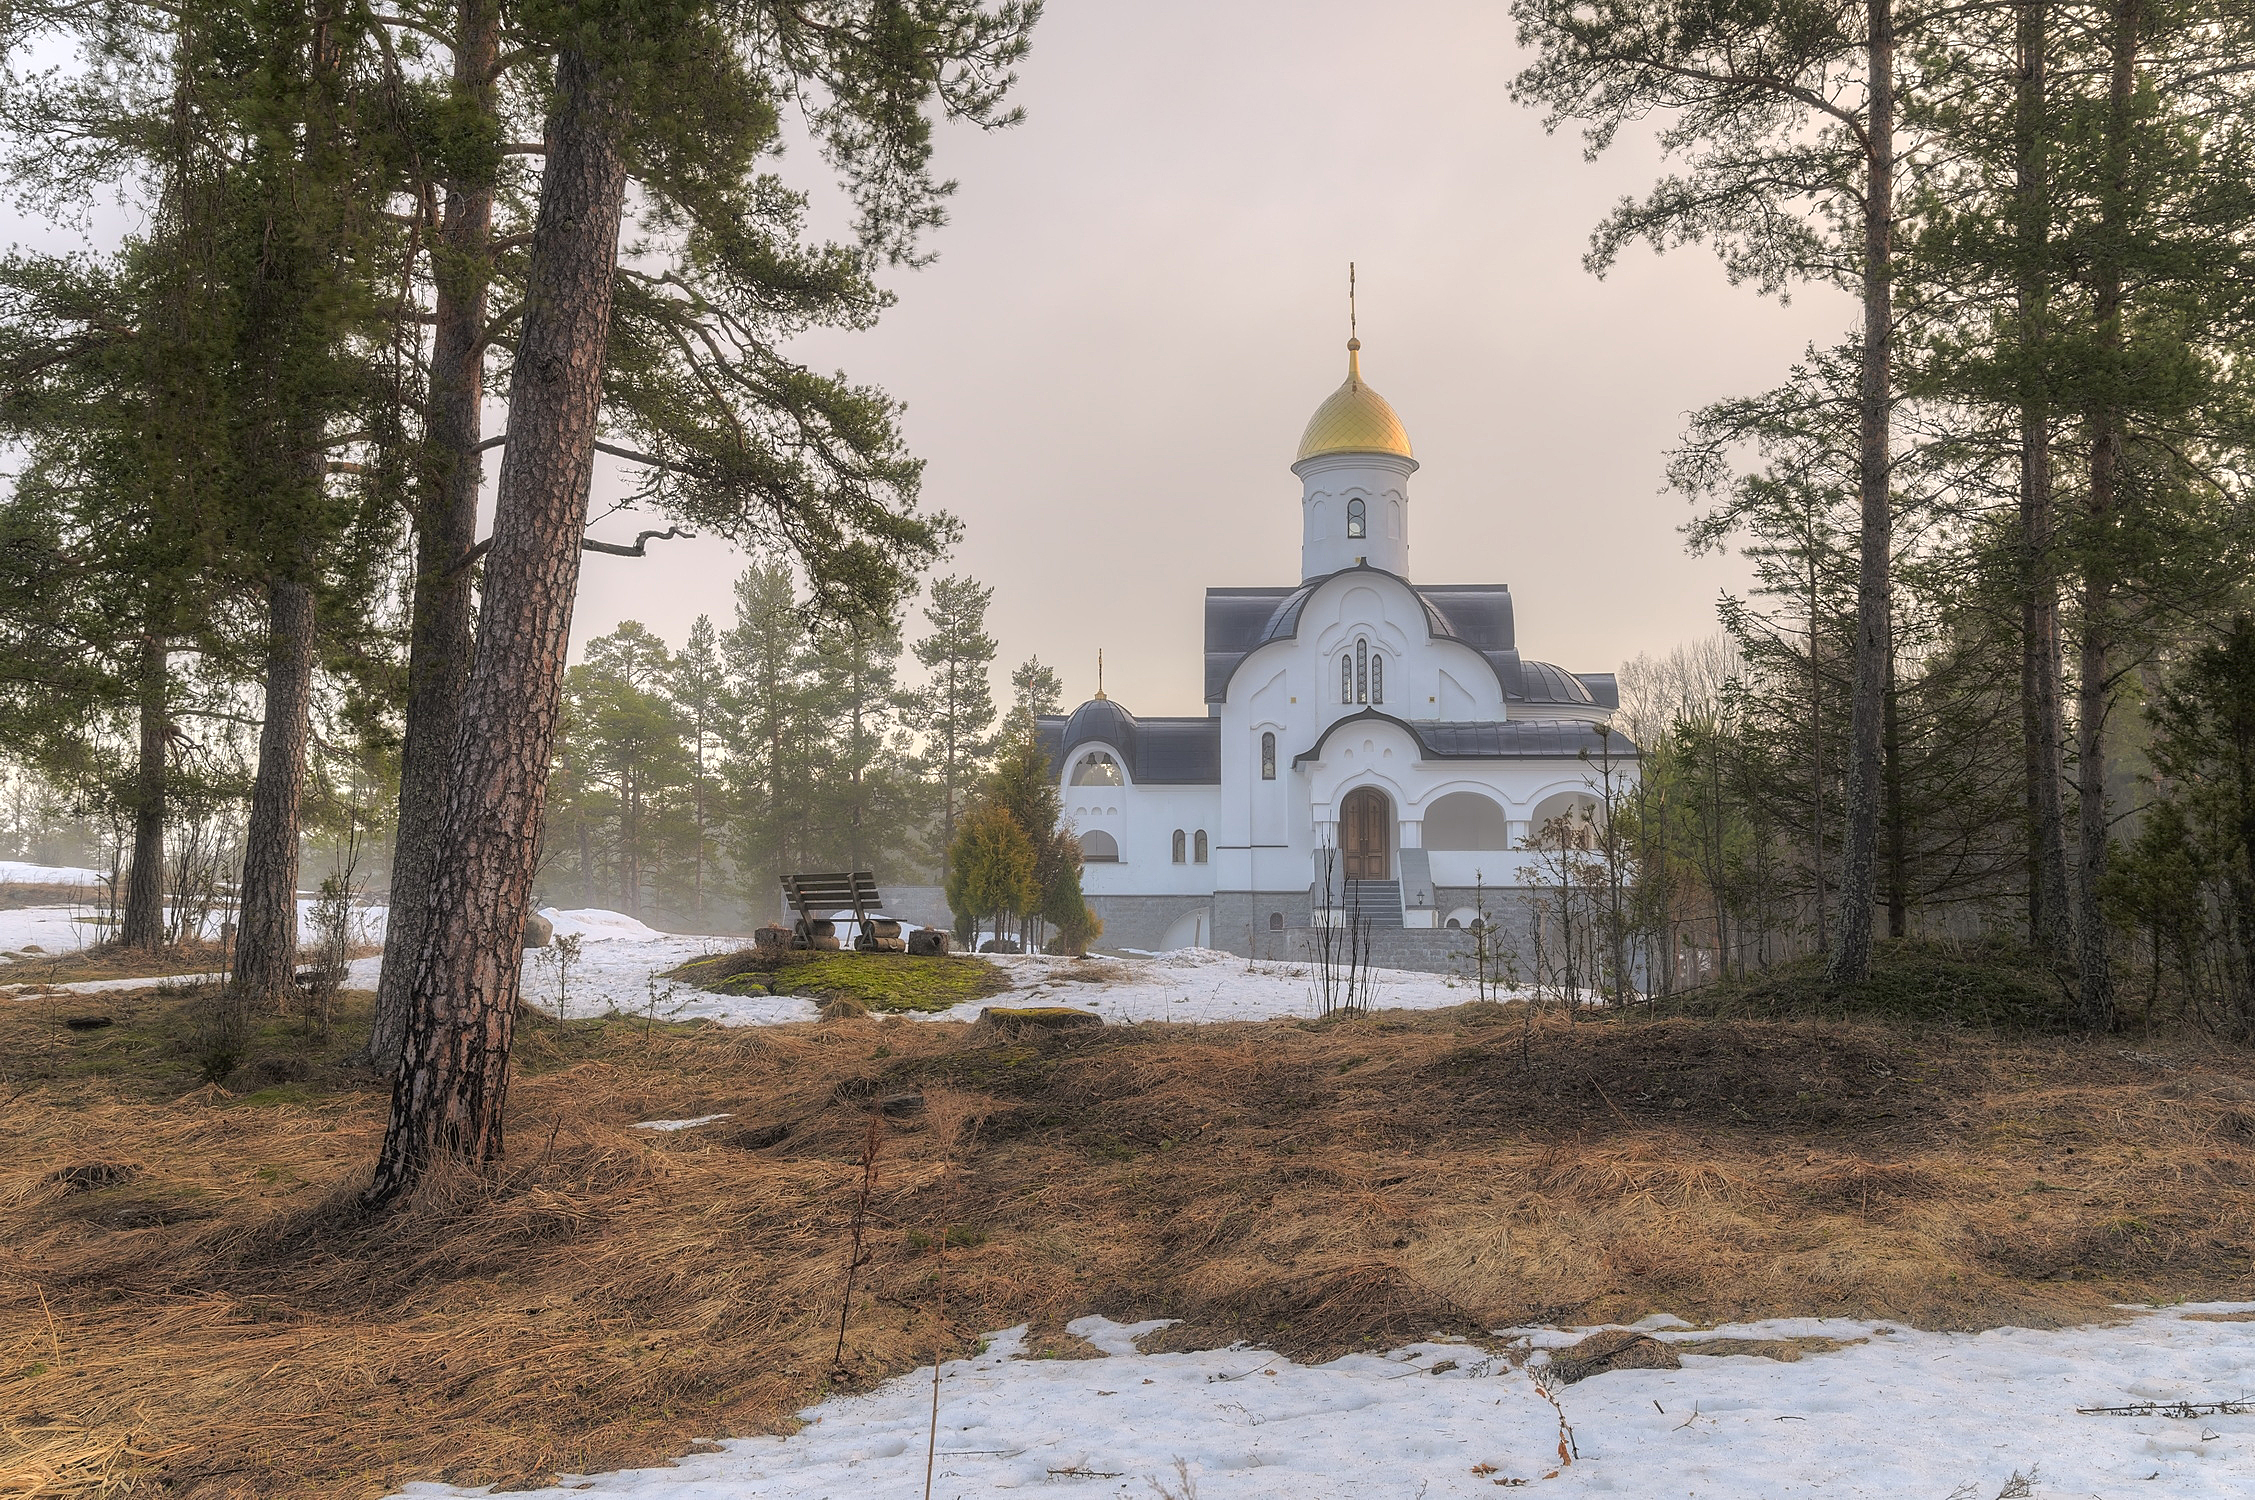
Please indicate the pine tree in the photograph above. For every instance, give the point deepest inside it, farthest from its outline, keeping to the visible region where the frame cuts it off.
(699, 690)
(864, 805)
(2205, 746)
(1787, 119)
(1035, 691)
(955, 708)
(764, 652)
(628, 744)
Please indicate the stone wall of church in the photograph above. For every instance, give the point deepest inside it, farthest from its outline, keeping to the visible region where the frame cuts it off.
(1241, 921)
(1435, 950)
(1511, 913)
(1143, 921)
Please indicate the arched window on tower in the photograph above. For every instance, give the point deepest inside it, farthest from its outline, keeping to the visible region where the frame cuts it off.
(1377, 677)
(1178, 846)
(1268, 757)
(1362, 671)
(1358, 523)
(1198, 847)
(1346, 677)
(1096, 769)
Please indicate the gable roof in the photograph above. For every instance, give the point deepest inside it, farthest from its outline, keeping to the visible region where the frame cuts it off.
(1239, 621)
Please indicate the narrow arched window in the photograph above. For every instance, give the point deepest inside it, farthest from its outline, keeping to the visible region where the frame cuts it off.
(1357, 522)
(1198, 846)
(1178, 846)
(1268, 757)
(1276, 921)
(1346, 677)
(1362, 671)
(1377, 677)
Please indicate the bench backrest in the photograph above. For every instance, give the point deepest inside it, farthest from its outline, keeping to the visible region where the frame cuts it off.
(823, 894)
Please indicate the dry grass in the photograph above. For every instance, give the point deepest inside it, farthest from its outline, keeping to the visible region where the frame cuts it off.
(16, 894)
(191, 1300)
(193, 956)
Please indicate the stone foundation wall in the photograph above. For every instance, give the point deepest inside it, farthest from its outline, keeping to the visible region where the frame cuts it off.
(1241, 920)
(1142, 921)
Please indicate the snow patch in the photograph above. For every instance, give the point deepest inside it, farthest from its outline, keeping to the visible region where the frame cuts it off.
(595, 925)
(1903, 1413)
(678, 1124)
(16, 872)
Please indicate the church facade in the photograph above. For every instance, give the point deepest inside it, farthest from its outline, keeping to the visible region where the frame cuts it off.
(1370, 744)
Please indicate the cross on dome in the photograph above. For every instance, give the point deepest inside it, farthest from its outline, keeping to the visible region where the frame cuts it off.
(1353, 418)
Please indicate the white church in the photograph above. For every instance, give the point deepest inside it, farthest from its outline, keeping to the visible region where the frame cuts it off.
(1369, 743)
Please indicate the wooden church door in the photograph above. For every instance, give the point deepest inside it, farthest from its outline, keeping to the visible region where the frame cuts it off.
(1362, 833)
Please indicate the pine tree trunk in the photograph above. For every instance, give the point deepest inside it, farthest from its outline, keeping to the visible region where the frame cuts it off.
(449, 1092)
(1851, 958)
(266, 935)
(143, 922)
(1898, 836)
(444, 624)
(2041, 731)
(2094, 690)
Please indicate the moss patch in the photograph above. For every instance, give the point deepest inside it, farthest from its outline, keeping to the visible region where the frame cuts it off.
(881, 981)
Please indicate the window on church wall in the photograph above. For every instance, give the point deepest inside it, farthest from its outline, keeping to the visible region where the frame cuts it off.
(1358, 523)
(1377, 678)
(1099, 848)
(1362, 671)
(1346, 677)
(1198, 847)
(1178, 846)
(1268, 757)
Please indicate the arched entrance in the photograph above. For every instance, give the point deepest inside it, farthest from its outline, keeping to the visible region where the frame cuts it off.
(1362, 833)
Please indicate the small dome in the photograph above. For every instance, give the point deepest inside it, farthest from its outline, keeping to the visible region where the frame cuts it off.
(1354, 419)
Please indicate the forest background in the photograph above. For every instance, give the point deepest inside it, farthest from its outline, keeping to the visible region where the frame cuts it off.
(1994, 684)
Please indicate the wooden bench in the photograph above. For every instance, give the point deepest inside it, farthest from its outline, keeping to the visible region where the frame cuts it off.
(855, 891)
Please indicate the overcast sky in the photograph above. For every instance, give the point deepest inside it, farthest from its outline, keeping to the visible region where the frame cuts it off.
(1140, 298)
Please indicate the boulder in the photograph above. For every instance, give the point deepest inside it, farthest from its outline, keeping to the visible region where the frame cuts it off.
(539, 931)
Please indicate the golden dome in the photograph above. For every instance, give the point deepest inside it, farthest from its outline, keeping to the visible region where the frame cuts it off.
(1354, 419)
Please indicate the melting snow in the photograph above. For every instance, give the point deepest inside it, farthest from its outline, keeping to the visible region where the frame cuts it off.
(16, 872)
(1901, 1414)
(678, 1124)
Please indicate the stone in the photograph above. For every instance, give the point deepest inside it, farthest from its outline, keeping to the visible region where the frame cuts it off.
(539, 931)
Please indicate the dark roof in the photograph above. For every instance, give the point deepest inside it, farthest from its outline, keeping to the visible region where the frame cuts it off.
(1476, 615)
(1153, 752)
(1604, 688)
(1520, 739)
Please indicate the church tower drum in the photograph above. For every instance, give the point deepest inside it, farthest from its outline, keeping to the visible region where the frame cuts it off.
(1354, 466)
